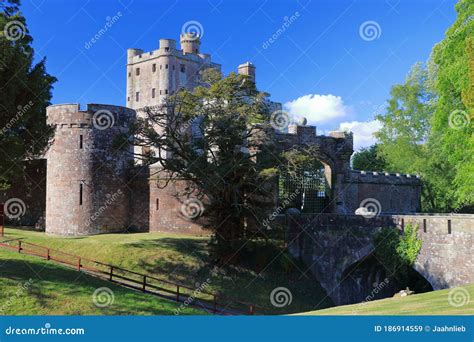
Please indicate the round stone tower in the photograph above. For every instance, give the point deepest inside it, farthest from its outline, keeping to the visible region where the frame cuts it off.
(190, 43)
(86, 176)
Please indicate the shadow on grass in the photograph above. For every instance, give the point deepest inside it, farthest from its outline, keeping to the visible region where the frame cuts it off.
(55, 289)
(255, 272)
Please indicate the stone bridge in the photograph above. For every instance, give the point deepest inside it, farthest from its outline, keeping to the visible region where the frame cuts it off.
(334, 246)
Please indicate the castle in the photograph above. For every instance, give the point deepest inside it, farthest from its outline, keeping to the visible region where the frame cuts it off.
(82, 188)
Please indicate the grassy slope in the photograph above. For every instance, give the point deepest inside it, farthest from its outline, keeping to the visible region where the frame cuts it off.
(185, 259)
(430, 303)
(56, 290)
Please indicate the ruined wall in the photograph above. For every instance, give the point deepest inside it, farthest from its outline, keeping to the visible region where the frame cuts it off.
(331, 244)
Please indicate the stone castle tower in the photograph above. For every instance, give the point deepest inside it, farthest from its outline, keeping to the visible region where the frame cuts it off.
(86, 184)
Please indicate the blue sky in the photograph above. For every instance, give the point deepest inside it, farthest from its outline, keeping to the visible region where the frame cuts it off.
(323, 63)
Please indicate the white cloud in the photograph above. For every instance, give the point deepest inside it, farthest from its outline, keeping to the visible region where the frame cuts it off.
(363, 132)
(317, 108)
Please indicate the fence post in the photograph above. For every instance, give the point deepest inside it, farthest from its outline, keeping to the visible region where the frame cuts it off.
(19, 246)
(251, 310)
(47, 254)
(177, 293)
(144, 283)
(111, 272)
(79, 264)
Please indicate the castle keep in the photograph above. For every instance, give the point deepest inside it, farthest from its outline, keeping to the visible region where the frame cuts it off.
(92, 188)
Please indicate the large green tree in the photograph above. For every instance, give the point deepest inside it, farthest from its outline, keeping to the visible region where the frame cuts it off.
(25, 94)
(451, 140)
(428, 124)
(213, 137)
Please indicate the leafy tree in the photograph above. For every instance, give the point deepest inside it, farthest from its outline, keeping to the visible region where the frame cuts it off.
(26, 92)
(405, 124)
(213, 137)
(451, 138)
(369, 159)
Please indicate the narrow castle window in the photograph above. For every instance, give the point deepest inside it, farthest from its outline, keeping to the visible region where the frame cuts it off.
(195, 50)
(153, 68)
(137, 71)
(166, 66)
(129, 74)
(166, 91)
(80, 194)
(160, 92)
(157, 203)
(161, 66)
(153, 93)
(182, 66)
(137, 96)
(174, 67)
(167, 48)
(80, 141)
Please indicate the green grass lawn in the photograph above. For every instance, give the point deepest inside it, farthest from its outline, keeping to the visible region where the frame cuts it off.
(178, 258)
(32, 286)
(430, 303)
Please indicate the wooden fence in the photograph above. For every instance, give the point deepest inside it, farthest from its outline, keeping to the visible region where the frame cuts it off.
(195, 297)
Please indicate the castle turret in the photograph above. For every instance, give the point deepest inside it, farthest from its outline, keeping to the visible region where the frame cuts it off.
(247, 69)
(86, 179)
(190, 43)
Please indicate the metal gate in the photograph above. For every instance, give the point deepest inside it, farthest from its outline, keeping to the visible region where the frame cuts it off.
(307, 192)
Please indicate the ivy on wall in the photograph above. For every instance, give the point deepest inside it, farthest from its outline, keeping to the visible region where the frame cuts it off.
(398, 252)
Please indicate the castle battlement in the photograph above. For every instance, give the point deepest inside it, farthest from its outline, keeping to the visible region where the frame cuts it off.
(94, 116)
(360, 176)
